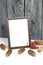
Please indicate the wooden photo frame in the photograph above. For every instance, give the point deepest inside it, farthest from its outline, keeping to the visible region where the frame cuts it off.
(18, 32)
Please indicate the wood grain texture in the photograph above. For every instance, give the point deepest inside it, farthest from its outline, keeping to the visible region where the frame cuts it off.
(0, 18)
(14, 8)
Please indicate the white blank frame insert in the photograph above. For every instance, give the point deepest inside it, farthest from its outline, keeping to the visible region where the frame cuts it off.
(18, 32)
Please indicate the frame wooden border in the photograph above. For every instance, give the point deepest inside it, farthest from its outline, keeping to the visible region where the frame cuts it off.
(8, 35)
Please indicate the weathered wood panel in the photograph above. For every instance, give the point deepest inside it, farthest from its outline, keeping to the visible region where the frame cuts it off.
(36, 19)
(14, 8)
(0, 18)
(42, 19)
(34, 10)
(3, 17)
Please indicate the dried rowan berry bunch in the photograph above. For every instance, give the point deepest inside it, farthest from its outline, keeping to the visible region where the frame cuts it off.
(33, 45)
